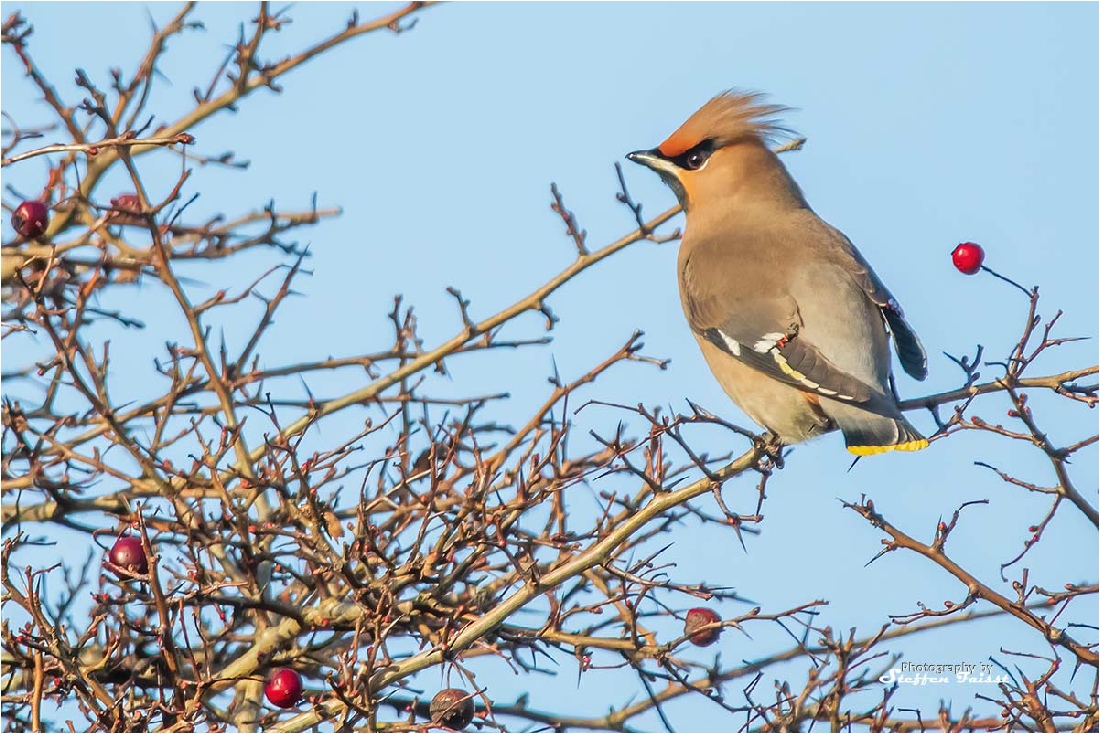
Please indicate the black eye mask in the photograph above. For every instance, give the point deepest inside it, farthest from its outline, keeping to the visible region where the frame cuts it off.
(693, 159)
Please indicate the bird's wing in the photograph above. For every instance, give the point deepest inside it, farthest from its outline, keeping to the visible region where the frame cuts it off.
(906, 342)
(763, 332)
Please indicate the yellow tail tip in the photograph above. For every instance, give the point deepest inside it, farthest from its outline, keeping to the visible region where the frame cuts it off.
(917, 445)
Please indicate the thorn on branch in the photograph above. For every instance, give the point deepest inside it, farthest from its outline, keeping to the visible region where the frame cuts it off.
(887, 547)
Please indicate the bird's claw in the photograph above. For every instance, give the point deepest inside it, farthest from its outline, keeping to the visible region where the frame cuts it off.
(772, 449)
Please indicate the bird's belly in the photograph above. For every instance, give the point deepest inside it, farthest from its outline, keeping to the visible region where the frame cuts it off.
(784, 410)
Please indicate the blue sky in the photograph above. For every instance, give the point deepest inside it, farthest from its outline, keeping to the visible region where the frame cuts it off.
(927, 125)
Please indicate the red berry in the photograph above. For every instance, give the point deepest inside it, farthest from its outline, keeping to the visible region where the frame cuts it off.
(284, 688)
(701, 617)
(128, 555)
(968, 257)
(127, 203)
(30, 219)
(452, 708)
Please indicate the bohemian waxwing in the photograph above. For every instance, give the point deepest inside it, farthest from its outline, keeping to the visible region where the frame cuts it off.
(790, 317)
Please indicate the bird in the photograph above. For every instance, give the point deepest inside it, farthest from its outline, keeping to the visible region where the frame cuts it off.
(790, 317)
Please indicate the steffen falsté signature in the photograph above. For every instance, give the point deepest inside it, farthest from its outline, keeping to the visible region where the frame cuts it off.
(924, 674)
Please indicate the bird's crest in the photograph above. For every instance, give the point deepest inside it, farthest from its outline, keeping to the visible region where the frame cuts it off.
(730, 116)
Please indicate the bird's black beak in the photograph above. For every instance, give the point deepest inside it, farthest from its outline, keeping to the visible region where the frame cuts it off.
(653, 159)
(648, 158)
(666, 169)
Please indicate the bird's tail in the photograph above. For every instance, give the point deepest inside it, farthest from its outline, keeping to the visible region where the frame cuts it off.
(867, 433)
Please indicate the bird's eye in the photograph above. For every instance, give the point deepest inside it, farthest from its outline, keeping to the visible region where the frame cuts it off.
(694, 159)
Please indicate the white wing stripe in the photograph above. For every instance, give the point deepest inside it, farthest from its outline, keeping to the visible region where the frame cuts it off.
(732, 344)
